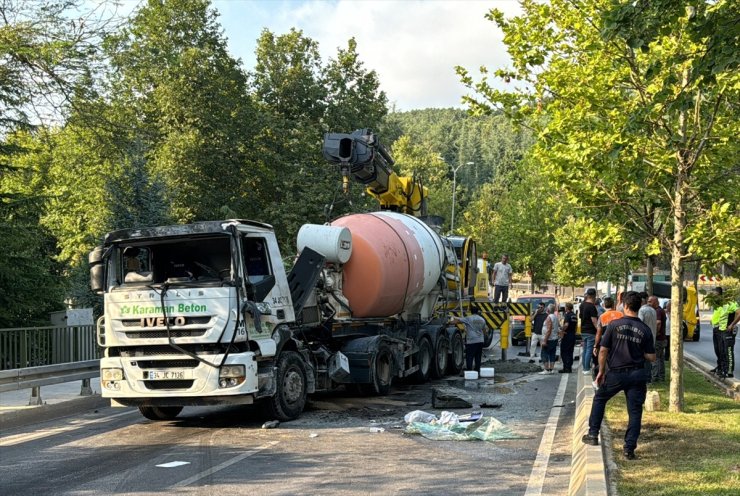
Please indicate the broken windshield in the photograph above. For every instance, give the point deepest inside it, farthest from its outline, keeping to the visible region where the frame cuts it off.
(193, 260)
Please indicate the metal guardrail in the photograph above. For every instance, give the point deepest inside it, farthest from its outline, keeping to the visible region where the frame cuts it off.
(24, 347)
(32, 377)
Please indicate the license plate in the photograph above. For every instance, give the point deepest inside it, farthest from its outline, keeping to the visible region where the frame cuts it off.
(167, 375)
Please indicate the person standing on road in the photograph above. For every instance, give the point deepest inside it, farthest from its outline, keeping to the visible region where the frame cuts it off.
(723, 334)
(625, 347)
(650, 318)
(604, 320)
(474, 328)
(568, 338)
(501, 279)
(658, 371)
(589, 317)
(550, 340)
(538, 326)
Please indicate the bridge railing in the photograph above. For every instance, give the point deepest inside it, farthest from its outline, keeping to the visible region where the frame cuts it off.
(24, 347)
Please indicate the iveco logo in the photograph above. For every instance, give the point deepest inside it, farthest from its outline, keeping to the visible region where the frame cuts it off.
(160, 322)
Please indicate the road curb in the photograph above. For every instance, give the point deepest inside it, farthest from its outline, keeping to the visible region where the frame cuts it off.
(588, 467)
(32, 415)
(730, 386)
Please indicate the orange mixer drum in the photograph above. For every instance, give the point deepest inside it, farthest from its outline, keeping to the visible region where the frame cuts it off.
(396, 261)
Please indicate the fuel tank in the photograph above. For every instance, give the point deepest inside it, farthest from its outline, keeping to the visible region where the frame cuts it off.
(396, 263)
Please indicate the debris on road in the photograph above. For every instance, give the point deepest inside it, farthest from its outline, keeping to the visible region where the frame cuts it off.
(271, 424)
(451, 427)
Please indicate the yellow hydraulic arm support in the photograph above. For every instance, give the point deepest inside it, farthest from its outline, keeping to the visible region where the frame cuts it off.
(361, 157)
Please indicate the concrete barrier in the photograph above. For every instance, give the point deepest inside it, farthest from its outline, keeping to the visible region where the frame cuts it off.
(588, 466)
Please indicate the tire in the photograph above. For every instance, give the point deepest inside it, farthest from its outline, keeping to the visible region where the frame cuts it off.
(697, 332)
(291, 389)
(424, 359)
(382, 373)
(441, 356)
(457, 354)
(487, 338)
(160, 412)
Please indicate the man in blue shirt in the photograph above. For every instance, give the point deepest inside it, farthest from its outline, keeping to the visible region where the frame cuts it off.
(625, 346)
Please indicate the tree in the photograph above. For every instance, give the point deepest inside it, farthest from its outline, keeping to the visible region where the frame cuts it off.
(191, 111)
(640, 100)
(520, 220)
(46, 58)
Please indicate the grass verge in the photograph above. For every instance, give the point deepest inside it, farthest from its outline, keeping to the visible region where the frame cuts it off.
(694, 453)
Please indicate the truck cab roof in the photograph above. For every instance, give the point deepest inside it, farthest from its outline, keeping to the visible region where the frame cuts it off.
(196, 228)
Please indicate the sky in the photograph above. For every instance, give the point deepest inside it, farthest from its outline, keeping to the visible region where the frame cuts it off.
(413, 45)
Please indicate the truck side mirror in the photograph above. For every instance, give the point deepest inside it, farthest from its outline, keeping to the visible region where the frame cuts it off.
(97, 270)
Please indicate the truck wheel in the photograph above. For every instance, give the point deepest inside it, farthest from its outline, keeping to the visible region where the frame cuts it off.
(382, 373)
(457, 354)
(487, 337)
(291, 392)
(160, 412)
(424, 361)
(441, 356)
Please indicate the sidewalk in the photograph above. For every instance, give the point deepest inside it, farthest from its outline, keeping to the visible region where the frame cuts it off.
(57, 400)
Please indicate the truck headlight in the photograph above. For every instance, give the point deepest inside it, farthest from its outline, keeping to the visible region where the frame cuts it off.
(231, 375)
(111, 374)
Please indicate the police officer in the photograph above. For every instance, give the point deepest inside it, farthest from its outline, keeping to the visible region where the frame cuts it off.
(625, 346)
(723, 335)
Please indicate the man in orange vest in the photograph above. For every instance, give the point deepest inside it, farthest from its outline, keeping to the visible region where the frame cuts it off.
(606, 317)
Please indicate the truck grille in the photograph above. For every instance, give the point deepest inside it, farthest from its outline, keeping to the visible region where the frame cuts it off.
(188, 321)
(166, 364)
(169, 384)
(163, 334)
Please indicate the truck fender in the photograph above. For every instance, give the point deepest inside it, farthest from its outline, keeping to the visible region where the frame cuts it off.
(283, 340)
(361, 354)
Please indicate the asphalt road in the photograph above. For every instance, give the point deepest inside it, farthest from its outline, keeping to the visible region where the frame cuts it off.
(341, 445)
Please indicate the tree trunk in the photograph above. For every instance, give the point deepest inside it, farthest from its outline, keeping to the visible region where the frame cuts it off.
(675, 401)
(678, 251)
(650, 269)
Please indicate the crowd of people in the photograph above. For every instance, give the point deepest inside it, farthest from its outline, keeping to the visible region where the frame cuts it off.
(624, 345)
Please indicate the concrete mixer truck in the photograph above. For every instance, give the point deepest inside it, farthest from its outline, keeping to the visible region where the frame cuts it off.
(207, 314)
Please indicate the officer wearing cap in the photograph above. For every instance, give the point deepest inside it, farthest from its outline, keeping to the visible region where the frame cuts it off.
(724, 319)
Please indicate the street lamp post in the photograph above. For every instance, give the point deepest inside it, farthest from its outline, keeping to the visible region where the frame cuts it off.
(454, 188)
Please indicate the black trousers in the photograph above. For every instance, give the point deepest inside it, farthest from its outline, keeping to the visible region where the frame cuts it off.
(717, 342)
(473, 352)
(633, 383)
(724, 347)
(567, 345)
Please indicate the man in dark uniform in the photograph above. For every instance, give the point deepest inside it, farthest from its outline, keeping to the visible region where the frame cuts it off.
(625, 346)
(568, 338)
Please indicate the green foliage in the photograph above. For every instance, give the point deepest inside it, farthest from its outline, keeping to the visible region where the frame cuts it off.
(30, 282)
(617, 126)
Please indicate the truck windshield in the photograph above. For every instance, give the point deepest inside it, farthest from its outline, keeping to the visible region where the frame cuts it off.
(202, 260)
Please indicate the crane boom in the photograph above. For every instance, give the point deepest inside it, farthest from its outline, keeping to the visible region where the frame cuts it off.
(360, 156)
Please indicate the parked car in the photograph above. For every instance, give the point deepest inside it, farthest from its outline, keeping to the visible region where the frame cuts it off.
(518, 337)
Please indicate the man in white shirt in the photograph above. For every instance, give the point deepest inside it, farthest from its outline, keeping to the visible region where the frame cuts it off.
(501, 279)
(650, 318)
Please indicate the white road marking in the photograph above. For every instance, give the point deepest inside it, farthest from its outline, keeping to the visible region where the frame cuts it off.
(224, 465)
(75, 424)
(172, 464)
(539, 469)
